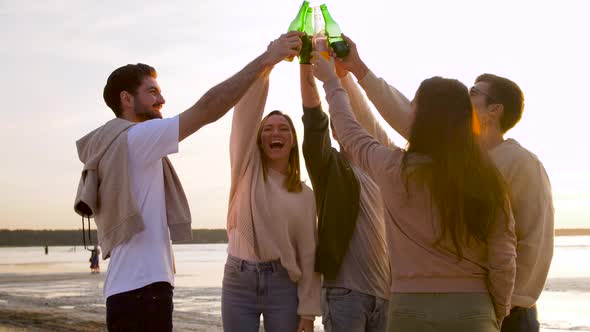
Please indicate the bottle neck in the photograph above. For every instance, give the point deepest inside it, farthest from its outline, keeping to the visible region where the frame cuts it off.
(297, 24)
(302, 11)
(326, 14)
(319, 27)
(308, 26)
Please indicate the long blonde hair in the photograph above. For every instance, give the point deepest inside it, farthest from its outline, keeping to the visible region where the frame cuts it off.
(293, 181)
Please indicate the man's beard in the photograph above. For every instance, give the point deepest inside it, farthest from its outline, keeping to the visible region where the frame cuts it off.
(144, 114)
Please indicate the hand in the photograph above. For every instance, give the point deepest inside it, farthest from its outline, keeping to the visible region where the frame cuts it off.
(341, 71)
(287, 45)
(352, 62)
(305, 325)
(323, 69)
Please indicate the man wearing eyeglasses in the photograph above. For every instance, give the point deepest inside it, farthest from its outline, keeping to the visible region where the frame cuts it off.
(498, 104)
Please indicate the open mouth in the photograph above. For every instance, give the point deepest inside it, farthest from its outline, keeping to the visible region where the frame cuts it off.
(276, 145)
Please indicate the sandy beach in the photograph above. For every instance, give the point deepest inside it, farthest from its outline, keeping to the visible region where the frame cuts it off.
(57, 292)
(73, 302)
(30, 301)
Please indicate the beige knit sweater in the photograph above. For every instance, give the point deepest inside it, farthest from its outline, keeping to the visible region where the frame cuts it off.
(276, 223)
(530, 196)
(104, 191)
(418, 265)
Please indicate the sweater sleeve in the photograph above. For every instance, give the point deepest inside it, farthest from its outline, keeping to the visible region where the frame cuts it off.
(309, 285)
(317, 145)
(362, 111)
(502, 262)
(393, 106)
(246, 119)
(532, 205)
(365, 150)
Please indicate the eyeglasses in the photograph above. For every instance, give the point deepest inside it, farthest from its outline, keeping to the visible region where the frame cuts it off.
(476, 92)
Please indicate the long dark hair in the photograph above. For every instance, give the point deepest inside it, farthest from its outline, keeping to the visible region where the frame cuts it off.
(465, 186)
(293, 181)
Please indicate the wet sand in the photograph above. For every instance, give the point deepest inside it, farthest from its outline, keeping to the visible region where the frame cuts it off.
(73, 302)
(56, 292)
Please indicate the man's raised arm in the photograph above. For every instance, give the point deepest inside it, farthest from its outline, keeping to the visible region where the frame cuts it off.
(222, 97)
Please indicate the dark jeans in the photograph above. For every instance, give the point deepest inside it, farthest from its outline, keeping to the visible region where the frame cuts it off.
(348, 310)
(145, 309)
(521, 320)
(253, 289)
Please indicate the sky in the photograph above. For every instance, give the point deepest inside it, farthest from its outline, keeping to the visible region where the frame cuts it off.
(56, 56)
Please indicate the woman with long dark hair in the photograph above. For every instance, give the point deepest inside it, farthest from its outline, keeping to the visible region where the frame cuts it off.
(452, 232)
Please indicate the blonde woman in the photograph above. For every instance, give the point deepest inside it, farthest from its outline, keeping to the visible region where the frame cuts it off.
(271, 225)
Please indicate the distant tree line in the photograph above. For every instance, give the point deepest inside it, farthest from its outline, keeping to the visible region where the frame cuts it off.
(33, 238)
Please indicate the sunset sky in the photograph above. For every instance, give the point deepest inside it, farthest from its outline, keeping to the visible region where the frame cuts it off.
(56, 56)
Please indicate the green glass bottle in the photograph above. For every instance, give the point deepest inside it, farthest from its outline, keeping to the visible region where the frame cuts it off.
(334, 34)
(298, 23)
(306, 46)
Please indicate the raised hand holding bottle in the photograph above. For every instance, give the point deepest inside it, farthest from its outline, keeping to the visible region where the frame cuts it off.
(298, 23)
(334, 34)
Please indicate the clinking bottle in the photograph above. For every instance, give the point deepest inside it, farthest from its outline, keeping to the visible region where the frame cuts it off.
(320, 41)
(334, 34)
(306, 46)
(298, 23)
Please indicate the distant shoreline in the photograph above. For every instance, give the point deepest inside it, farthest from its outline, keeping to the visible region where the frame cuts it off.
(41, 238)
(73, 238)
(72, 302)
(572, 232)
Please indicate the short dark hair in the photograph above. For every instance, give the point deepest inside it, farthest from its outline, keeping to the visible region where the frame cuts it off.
(127, 78)
(507, 93)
